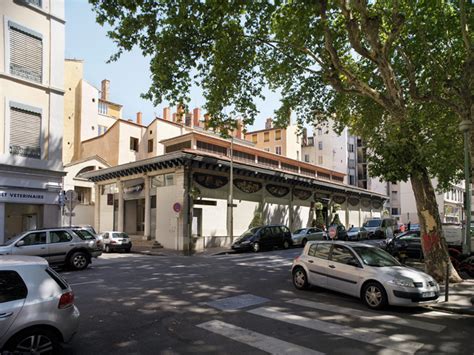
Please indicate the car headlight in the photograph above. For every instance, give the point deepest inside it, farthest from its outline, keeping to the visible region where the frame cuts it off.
(402, 282)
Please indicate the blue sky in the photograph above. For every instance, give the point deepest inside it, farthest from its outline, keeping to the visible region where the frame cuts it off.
(129, 76)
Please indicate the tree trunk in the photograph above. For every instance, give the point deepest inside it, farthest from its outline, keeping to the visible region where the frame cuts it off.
(433, 243)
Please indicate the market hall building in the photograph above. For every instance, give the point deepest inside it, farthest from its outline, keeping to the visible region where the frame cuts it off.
(180, 198)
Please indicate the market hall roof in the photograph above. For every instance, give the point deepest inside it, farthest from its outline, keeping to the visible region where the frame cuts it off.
(209, 161)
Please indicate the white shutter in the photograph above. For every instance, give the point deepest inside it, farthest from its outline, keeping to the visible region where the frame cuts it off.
(25, 133)
(26, 54)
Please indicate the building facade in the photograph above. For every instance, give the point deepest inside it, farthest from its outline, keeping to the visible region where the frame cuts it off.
(31, 114)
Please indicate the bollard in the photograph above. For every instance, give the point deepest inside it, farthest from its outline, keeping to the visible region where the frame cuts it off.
(446, 284)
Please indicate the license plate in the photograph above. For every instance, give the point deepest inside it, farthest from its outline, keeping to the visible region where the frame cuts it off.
(427, 294)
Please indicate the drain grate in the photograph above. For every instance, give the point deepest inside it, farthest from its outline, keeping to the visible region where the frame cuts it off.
(237, 302)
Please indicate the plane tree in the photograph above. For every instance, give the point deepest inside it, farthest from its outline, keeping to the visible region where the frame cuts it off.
(398, 73)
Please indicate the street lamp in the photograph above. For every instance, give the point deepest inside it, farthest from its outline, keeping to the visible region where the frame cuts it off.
(465, 127)
(230, 203)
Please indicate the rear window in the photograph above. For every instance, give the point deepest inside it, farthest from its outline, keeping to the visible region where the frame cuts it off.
(12, 286)
(59, 280)
(84, 234)
(119, 235)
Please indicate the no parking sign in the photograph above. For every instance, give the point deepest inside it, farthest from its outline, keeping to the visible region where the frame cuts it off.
(177, 207)
(332, 232)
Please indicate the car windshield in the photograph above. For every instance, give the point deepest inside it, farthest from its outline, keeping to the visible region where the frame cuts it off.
(249, 233)
(119, 235)
(375, 257)
(299, 231)
(84, 234)
(373, 223)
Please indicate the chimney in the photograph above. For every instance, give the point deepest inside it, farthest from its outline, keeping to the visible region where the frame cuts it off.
(238, 133)
(139, 118)
(188, 120)
(105, 86)
(166, 114)
(197, 117)
(268, 123)
(207, 117)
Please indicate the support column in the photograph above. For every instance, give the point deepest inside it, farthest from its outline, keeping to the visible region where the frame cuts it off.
(147, 229)
(360, 212)
(120, 207)
(347, 211)
(2, 222)
(97, 208)
(291, 212)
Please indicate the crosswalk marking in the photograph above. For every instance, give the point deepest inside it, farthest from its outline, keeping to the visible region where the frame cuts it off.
(256, 340)
(369, 315)
(394, 342)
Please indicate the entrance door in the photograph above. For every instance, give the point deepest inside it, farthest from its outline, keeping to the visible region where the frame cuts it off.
(197, 222)
(29, 222)
(140, 215)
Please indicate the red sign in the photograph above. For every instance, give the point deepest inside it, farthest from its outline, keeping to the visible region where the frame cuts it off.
(177, 207)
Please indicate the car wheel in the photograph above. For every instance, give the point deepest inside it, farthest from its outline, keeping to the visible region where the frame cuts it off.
(79, 260)
(374, 295)
(256, 247)
(34, 341)
(107, 249)
(286, 244)
(303, 242)
(300, 280)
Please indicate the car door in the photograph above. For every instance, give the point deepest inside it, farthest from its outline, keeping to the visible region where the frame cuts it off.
(33, 243)
(344, 273)
(265, 239)
(413, 245)
(277, 236)
(12, 297)
(317, 263)
(60, 242)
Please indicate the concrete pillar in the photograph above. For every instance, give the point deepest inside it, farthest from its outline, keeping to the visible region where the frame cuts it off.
(360, 213)
(291, 212)
(120, 207)
(347, 212)
(2, 222)
(147, 229)
(97, 208)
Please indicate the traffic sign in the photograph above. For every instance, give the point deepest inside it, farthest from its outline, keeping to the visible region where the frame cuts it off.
(177, 207)
(71, 200)
(332, 232)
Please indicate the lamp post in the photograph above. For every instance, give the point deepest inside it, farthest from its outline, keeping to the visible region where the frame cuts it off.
(231, 191)
(465, 127)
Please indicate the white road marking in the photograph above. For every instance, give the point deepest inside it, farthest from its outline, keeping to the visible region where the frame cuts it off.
(256, 340)
(268, 264)
(413, 323)
(87, 282)
(393, 342)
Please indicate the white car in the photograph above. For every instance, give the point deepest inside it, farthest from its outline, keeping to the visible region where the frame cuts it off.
(37, 311)
(303, 235)
(113, 241)
(363, 271)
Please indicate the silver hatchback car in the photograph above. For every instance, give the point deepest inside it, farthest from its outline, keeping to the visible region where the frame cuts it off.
(363, 271)
(37, 311)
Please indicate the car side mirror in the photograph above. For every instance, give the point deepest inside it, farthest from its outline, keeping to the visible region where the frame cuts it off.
(20, 243)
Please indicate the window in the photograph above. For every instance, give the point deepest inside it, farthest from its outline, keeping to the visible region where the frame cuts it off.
(26, 53)
(101, 130)
(134, 144)
(12, 286)
(102, 108)
(254, 138)
(394, 211)
(163, 180)
(83, 194)
(150, 146)
(320, 250)
(306, 158)
(278, 135)
(59, 237)
(84, 234)
(37, 3)
(343, 255)
(212, 148)
(266, 136)
(35, 238)
(25, 131)
(320, 132)
(351, 180)
(278, 150)
(59, 280)
(351, 148)
(178, 146)
(320, 159)
(320, 145)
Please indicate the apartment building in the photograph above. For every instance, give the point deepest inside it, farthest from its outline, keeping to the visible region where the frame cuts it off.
(31, 114)
(281, 141)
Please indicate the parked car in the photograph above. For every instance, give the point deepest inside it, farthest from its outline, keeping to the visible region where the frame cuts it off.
(66, 246)
(380, 228)
(113, 241)
(363, 271)
(357, 233)
(264, 237)
(341, 231)
(405, 245)
(303, 235)
(37, 311)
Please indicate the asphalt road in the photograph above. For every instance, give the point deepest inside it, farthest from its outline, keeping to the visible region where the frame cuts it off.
(139, 304)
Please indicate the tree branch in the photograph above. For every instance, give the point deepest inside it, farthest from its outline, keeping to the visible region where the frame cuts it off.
(464, 26)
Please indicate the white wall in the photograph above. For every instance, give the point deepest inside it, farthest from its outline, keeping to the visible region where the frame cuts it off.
(89, 110)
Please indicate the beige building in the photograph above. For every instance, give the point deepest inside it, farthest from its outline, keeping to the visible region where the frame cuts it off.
(31, 114)
(281, 141)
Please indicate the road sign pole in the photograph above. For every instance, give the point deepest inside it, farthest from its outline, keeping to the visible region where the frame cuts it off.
(70, 214)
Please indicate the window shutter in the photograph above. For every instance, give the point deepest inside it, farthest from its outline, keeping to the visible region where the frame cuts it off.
(26, 54)
(25, 133)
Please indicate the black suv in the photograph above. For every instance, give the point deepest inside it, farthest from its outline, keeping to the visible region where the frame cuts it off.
(264, 237)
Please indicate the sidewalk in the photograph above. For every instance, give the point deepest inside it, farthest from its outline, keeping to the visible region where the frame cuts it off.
(460, 298)
(147, 248)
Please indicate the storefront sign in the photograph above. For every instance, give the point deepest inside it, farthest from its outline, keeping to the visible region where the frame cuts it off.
(28, 196)
(133, 189)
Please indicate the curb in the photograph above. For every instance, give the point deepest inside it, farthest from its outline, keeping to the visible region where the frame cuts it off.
(453, 309)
